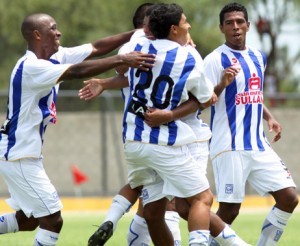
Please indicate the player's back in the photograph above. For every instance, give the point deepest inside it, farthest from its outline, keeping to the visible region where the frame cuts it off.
(165, 86)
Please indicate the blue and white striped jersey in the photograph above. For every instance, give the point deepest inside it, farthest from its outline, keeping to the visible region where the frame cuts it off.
(31, 101)
(138, 36)
(200, 128)
(236, 119)
(176, 73)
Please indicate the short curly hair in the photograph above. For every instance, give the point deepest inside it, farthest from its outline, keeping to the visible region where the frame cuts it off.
(162, 17)
(231, 7)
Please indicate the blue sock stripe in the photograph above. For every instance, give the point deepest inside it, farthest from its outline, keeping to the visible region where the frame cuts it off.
(266, 226)
(135, 234)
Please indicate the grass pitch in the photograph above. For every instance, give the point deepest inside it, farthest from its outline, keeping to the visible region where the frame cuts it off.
(78, 227)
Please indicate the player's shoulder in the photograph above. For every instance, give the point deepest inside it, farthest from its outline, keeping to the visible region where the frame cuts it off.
(256, 51)
(165, 45)
(193, 51)
(31, 60)
(215, 55)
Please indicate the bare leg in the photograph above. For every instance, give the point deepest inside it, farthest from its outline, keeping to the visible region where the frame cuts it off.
(228, 211)
(286, 199)
(154, 214)
(53, 222)
(25, 223)
(200, 204)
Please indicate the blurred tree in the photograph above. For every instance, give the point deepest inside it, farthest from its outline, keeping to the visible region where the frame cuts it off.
(85, 21)
(272, 19)
(79, 21)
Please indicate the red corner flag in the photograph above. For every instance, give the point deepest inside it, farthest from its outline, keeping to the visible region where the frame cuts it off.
(78, 176)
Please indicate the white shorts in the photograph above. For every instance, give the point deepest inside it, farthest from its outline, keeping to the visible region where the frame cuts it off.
(164, 171)
(30, 188)
(264, 171)
(200, 153)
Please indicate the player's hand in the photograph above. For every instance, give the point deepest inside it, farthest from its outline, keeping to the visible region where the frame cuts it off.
(229, 75)
(92, 89)
(213, 100)
(275, 127)
(190, 40)
(138, 60)
(156, 117)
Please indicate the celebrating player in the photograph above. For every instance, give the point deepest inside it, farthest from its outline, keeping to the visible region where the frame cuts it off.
(31, 106)
(239, 149)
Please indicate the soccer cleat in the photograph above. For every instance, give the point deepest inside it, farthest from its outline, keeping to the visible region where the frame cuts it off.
(101, 236)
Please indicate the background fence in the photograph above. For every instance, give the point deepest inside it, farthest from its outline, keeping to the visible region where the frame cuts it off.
(88, 135)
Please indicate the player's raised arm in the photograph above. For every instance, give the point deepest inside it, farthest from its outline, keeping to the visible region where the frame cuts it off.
(227, 78)
(94, 67)
(108, 44)
(95, 87)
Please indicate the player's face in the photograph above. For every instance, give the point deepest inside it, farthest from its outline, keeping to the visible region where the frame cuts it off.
(235, 28)
(182, 31)
(49, 37)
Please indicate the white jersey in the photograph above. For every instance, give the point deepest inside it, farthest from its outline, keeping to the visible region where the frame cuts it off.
(236, 119)
(31, 101)
(200, 128)
(138, 35)
(176, 73)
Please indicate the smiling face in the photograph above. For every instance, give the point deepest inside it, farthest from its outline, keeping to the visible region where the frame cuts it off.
(41, 33)
(235, 28)
(49, 35)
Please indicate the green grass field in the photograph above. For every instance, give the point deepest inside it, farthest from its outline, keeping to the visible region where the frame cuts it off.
(79, 226)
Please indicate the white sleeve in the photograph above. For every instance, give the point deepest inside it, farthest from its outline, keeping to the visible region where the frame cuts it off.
(213, 68)
(72, 55)
(202, 88)
(199, 85)
(43, 74)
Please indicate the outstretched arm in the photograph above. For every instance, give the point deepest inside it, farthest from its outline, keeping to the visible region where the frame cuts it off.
(91, 68)
(273, 124)
(105, 45)
(95, 87)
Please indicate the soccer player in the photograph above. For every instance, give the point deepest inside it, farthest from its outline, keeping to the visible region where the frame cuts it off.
(138, 233)
(151, 152)
(239, 149)
(162, 169)
(31, 106)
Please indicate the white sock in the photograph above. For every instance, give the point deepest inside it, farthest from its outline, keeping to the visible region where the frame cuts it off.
(120, 205)
(228, 237)
(273, 227)
(212, 241)
(172, 219)
(8, 223)
(138, 233)
(45, 238)
(198, 238)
